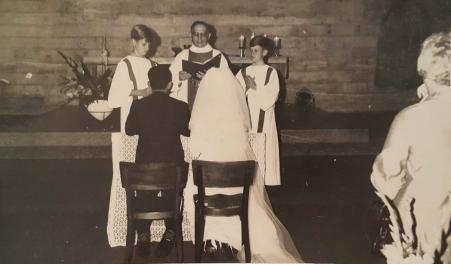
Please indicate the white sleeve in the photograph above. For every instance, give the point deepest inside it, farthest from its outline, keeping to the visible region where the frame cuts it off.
(389, 167)
(121, 86)
(266, 96)
(224, 63)
(240, 78)
(175, 68)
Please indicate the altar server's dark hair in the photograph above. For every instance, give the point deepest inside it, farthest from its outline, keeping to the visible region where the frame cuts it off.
(262, 41)
(141, 31)
(159, 77)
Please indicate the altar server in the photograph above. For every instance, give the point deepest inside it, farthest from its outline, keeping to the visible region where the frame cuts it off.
(261, 84)
(130, 82)
(130, 79)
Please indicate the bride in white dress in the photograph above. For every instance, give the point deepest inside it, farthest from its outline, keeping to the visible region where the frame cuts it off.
(219, 132)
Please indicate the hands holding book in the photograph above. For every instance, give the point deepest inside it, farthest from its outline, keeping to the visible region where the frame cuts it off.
(200, 74)
(183, 75)
(196, 70)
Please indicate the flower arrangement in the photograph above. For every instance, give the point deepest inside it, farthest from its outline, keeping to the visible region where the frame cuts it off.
(83, 85)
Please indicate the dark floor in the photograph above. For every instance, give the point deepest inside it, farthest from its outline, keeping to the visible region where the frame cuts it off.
(55, 211)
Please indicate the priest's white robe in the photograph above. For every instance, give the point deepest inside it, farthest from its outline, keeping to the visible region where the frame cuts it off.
(180, 88)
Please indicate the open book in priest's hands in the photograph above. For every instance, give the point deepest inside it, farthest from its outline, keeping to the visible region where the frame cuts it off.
(193, 68)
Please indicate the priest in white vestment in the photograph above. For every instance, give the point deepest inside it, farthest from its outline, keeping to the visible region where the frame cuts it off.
(185, 86)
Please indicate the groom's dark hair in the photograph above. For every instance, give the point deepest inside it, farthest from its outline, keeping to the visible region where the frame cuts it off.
(159, 77)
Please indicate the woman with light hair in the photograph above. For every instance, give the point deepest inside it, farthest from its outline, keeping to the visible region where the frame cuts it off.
(427, 65)
(414, 167)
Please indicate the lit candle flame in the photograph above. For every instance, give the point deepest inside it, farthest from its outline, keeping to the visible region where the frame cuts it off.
(242, 43)
(277, 42)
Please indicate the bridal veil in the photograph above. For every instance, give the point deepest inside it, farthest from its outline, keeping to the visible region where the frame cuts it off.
(219, 131)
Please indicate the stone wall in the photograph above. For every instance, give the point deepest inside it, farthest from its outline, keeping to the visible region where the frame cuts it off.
(331, 44)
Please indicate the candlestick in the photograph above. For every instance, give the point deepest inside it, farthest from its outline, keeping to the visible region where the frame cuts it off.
(242, 45)
(277, 41)
(105, 54)
(277, 45)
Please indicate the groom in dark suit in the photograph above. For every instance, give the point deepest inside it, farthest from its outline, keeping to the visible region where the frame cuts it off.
(159, 120)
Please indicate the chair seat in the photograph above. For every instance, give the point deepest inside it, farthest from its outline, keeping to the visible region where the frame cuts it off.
(154, 215)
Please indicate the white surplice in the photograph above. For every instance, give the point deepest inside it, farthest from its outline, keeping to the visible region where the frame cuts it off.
(264, 97)
(180, 88)
(122, 85)
(119, 96)
(416, 163)
(219, 126)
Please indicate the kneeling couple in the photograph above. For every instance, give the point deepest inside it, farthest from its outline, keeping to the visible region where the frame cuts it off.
(219, 132)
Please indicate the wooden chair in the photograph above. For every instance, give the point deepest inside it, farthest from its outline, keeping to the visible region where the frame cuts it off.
(222, 174)
(152, 176)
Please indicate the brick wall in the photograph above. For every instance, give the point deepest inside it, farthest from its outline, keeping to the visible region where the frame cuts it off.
(331, 43)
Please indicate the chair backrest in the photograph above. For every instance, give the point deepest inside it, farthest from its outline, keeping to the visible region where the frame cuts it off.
(223, 174)
(150, 176)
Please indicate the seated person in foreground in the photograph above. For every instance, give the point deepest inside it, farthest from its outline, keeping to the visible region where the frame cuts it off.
(159, 120)
(414, 168)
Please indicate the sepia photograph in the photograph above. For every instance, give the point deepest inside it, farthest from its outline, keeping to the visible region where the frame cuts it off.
(256, 131)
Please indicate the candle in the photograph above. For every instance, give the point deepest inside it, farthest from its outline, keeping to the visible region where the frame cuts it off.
(253, 35)
(242, 43)
(105, 52)
(277, 41)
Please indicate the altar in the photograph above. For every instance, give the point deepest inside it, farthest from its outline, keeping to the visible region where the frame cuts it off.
(124, 149)
(96, 64)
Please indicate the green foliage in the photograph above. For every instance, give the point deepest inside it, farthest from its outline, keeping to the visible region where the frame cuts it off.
(83, 85)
